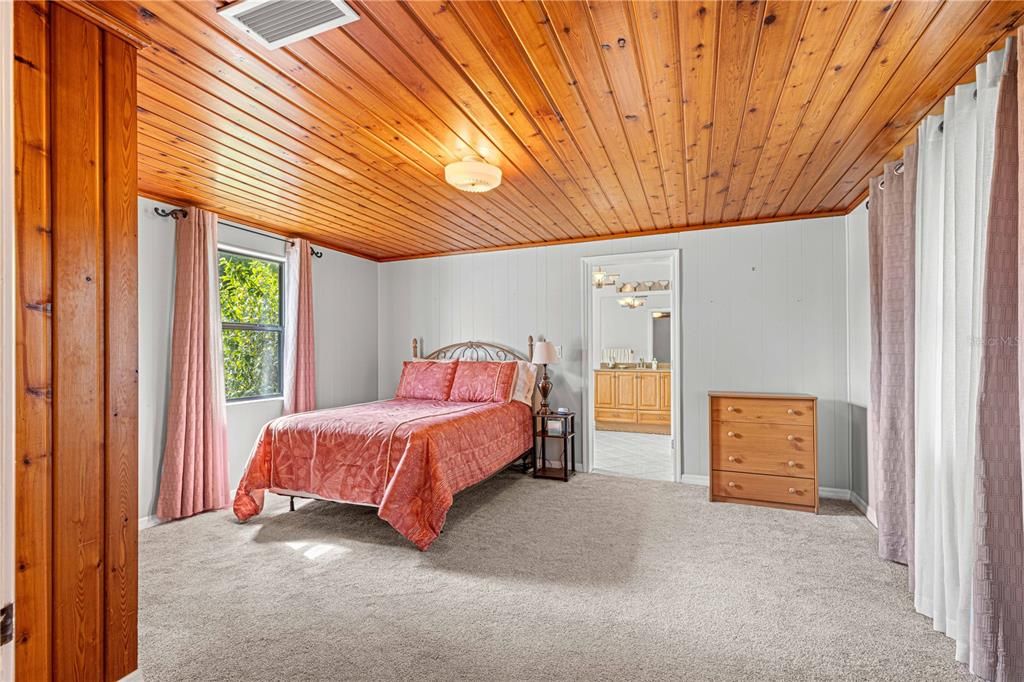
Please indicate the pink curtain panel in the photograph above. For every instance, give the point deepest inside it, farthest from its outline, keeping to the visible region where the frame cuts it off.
(299, 358)
(194, 477)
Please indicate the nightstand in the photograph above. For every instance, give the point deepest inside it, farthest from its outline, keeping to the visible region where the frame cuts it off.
(565, 431)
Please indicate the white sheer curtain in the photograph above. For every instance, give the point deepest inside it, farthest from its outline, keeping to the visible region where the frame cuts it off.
(954, 173)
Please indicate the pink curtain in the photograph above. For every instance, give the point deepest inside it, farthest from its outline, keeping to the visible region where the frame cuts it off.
(997, 624)
(299, 360)
(891, 238)
(195, 468)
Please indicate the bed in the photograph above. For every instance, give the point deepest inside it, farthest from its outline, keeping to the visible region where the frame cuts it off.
(406, 456)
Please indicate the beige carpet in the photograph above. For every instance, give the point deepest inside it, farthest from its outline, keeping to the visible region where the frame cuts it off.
(603, 578)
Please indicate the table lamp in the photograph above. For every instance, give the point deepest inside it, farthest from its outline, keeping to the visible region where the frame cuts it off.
(544, 354)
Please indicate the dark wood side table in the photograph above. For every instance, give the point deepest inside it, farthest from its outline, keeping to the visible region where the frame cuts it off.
(541, 432)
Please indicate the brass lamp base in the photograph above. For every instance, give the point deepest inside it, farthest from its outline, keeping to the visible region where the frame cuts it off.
(545, 391)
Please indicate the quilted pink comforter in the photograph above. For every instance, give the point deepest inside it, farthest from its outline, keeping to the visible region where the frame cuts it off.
(405, 457)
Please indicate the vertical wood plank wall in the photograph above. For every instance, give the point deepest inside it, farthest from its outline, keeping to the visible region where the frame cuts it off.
(32, 501)
(76, 585)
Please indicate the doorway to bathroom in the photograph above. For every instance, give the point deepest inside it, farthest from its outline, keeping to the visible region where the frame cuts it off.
(632, 368)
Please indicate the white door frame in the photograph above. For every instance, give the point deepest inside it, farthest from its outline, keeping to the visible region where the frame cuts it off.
(587, 264)
(7, 319)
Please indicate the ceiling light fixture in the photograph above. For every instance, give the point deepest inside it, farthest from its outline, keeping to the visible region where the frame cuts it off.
(472, 174)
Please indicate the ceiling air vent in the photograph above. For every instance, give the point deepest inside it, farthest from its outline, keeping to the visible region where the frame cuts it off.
(279, 22)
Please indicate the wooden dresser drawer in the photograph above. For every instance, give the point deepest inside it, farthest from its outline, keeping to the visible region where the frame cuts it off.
(762, 440)
(617, 416)
(763, 410)
(661, 418)
(787, 490)
(799, 465)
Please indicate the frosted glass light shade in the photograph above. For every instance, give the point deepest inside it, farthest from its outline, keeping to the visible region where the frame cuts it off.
(544, 353)
(472, 174)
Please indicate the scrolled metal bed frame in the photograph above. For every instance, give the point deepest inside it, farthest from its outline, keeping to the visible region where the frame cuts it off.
(475, 351)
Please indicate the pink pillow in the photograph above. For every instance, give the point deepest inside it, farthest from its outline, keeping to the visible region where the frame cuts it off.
(426, 380)
(483, 382)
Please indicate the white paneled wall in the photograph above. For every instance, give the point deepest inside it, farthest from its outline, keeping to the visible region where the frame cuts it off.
(859, 352)
(763, 309)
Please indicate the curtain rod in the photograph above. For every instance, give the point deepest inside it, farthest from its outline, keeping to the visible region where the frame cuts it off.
(177, 213)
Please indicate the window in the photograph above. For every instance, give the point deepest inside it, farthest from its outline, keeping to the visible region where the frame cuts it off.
(250, 308)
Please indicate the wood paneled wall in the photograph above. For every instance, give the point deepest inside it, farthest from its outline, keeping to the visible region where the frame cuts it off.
(77, 440)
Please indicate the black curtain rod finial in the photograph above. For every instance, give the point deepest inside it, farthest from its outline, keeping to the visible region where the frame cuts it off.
(173, 213)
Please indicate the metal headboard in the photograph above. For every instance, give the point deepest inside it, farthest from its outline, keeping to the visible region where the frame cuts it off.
(474, 350)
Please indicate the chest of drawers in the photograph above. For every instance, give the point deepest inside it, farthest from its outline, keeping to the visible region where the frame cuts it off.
(764, 449)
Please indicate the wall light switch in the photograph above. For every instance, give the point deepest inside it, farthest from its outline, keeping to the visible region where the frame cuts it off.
(558, 352)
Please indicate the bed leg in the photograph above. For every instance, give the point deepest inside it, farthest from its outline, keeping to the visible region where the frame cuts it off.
(291, 503)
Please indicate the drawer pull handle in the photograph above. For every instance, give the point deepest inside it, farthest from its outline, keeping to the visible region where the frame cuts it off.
(731, 484)
(792, 490)
(732, 458)
(730, 409)
(791, 411)
(731, 434)
(791, 437)
(791, 463)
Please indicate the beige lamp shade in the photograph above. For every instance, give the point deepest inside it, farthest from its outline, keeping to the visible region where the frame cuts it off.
(544, 353)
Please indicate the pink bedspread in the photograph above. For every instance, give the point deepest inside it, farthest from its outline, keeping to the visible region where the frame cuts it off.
(406, 457)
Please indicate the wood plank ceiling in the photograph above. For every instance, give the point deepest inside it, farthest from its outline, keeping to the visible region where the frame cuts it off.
(606, 118)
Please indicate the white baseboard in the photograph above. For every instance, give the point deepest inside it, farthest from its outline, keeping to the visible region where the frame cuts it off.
(834, 494)
(694, 479)
(866, 509)
(148, 522)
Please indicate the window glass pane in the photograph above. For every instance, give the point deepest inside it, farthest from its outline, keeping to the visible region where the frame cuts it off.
(252, 363)
(250, 289)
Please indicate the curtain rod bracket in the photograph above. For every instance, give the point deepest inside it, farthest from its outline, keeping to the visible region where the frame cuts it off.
(175, 213)
(315, 253)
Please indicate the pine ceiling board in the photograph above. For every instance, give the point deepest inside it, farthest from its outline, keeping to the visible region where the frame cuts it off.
(698, 40)
(231, 206)
(656, 25)
(619, 52)
(569, 28)
(511, 64)
(461, 47)
(860, 35)
(780, 33)
(437, 84)
(183, 175)
(742, 22)
(607, 118)
(531, 27)
(914, 29)
(823, 27)
(515, 211)
(344, 208)
(262, 136)
(270, 194)
(242, 127)
(364, 150)
(985, 33)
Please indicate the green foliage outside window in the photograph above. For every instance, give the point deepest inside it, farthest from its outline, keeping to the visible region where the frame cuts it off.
(250, 307)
